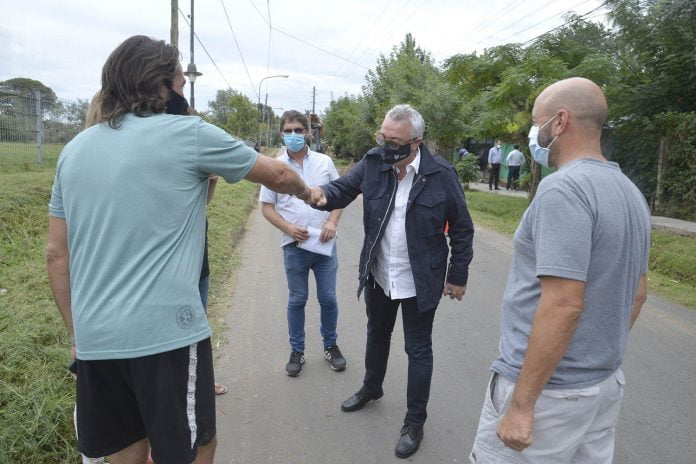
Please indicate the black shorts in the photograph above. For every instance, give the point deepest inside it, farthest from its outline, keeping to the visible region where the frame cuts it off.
(168, 398)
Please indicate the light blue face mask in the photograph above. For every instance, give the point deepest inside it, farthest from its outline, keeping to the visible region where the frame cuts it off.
(294, 142)
(540, 154)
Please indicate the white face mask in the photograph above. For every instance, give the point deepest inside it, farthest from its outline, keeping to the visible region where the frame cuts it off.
(540, 154)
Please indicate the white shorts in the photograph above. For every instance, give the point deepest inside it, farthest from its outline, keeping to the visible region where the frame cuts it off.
(575, 426)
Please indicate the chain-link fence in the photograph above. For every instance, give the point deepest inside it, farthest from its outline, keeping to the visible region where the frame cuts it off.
(34, 128)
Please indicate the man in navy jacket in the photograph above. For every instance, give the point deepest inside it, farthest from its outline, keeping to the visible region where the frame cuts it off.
(408, 198)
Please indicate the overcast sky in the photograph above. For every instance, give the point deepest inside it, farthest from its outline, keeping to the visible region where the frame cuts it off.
(65, 43)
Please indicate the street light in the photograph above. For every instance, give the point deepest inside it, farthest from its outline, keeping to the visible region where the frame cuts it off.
(191, 71)
(259, 96)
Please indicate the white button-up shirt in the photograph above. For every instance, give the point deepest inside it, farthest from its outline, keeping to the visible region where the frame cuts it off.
(392, 268)
(317, 169)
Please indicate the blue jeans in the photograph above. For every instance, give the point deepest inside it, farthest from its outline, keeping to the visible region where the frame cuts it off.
(298, 262)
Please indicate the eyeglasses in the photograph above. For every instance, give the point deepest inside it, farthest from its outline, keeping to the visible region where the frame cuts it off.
(393, 144)
(297, 130)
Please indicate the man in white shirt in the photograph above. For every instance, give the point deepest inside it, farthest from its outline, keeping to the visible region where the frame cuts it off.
(300, 224)
(495, 157)
(515, 160)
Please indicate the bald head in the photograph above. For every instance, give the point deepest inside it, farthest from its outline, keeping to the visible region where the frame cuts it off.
(580, 97)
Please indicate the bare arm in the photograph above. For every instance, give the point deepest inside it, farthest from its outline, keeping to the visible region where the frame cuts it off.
(554, 324)
(641, 297)
(57, 265)
(276, 175)
(296, 232)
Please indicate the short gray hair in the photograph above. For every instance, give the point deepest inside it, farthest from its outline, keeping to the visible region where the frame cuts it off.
(407, 113)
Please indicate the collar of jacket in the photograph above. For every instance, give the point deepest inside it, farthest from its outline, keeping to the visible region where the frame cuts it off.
(428, 165)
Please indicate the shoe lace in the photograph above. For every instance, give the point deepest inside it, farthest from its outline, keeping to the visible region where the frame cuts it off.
(295, 357)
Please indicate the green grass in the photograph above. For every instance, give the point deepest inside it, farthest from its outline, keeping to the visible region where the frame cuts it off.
(498, 212)
(227, 217)
(36, 392)
(22, 156)
(672, 257)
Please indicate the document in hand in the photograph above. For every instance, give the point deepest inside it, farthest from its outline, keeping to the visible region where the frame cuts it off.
(315, 245)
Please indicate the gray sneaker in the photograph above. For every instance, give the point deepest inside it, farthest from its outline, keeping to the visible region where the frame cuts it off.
(335, 358)
(294, 367)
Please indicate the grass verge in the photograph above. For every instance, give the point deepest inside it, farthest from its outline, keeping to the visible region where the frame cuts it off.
(36, 393)
(672, 257)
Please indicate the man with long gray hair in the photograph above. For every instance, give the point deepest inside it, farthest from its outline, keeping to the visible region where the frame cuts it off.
(408, 197)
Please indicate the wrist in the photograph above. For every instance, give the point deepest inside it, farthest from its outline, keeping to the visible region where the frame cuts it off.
(304, 193)
(332, 222)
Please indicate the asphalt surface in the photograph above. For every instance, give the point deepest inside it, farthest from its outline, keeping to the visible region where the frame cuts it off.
(268, 417)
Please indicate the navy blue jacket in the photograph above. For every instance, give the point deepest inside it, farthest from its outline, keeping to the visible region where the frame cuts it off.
(436, 198)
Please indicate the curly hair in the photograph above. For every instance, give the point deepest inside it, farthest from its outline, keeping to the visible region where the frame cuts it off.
(132, 78)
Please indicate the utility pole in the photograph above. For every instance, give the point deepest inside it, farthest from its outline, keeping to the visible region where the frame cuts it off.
(174, 31)
(314, 97)
(191, 71)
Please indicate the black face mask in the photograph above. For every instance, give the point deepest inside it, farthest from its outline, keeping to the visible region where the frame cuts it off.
(391, 155)
(176, 104)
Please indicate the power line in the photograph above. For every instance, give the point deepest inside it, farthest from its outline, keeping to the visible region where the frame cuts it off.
(306, 42)
(545, 20)
(507, 8)
(364, 36)
(520, 19)
(405, 21)
(241, 55)
(318, 48)
(270, 31)
(205, 50)
(384, 30)
(565, 24)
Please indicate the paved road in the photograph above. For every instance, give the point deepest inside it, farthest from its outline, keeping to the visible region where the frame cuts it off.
(268, 417)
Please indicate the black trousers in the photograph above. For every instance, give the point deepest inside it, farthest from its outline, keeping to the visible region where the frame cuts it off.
(494, 175)
(513, 177)
(418, 328)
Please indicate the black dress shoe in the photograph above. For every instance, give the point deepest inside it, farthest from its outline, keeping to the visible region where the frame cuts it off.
(409, 442)
(357, 401)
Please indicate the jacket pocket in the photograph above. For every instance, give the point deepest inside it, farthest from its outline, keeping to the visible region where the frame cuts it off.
(429, 209)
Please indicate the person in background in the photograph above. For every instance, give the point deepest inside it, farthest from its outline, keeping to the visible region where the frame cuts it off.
(124, 252)
(408, 196)
(294, 219)
(495, 157)
(515, 160)
(577, 284)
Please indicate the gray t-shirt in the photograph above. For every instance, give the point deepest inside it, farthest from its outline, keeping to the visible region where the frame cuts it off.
(587, 222)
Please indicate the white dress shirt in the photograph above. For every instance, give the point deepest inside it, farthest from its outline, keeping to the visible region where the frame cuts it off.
(392, 268)
(317, 169)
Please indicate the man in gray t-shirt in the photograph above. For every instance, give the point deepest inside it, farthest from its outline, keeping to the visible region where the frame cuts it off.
(576, 285)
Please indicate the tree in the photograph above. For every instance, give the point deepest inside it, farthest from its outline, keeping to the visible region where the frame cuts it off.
(346, 128)
(235, 113)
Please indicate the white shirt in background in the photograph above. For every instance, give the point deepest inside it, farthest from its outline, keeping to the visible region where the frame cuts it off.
(317, 169)
(392, 268)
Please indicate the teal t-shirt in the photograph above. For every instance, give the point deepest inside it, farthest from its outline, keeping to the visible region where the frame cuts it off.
(134, 201)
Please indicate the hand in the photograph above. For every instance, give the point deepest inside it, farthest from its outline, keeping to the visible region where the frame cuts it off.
(313, 196)
(515, 429)
(454, 291)
(489, 166)
(298, 233)
(328, 231)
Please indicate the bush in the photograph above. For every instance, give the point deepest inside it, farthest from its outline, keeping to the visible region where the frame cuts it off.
(467, 169)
